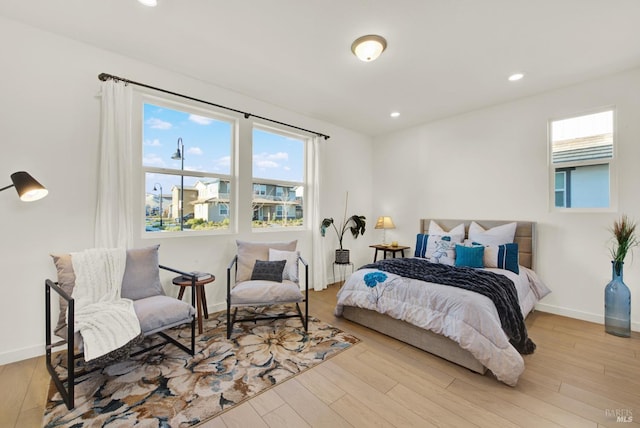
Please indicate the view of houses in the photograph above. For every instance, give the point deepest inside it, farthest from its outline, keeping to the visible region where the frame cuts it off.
(206, 206)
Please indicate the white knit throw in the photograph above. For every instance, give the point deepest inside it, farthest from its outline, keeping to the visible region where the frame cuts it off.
(105, 321)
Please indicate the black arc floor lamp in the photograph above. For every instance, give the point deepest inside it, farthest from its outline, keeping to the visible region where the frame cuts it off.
(28, 188)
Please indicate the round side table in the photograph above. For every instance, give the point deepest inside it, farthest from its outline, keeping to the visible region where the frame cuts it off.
(201, 298)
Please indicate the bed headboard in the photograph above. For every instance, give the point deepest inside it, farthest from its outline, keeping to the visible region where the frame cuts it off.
(525, 234)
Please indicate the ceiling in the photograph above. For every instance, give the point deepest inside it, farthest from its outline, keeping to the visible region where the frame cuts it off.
(444, 57)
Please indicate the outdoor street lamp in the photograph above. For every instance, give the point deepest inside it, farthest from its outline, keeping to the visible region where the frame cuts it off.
(179, 154)
(155, 190)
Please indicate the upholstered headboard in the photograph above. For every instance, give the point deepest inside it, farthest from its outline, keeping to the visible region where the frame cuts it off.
(525, 234)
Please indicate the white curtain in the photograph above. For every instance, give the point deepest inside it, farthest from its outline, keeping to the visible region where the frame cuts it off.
(319, 264)
(114, 213)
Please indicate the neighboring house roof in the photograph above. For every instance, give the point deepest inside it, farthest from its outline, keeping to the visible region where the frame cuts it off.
(584, 148)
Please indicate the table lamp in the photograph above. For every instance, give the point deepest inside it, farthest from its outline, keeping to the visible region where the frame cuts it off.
(384, 223)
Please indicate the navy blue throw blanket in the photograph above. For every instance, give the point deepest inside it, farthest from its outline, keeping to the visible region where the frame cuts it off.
(498, 288)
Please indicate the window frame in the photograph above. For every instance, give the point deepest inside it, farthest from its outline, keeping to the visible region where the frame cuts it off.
(572, 165)
(142, 97)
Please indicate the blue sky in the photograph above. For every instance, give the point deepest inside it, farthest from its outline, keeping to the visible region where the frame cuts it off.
(207, 146)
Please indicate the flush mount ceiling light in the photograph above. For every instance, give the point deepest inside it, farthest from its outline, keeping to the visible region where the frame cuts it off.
(150, 3)
(515, 77)
(367, 48)
(395, 114)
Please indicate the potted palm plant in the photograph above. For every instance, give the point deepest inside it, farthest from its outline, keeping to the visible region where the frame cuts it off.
(355, 224)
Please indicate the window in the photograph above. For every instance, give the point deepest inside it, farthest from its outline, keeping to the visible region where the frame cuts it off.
(186, 160)
(582, 161)
(278, 179)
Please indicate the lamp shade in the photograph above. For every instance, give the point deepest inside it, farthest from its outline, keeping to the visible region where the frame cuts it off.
(385, 222)
(367, 48)
(28, 188)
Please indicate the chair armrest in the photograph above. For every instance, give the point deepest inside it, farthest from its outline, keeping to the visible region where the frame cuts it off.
(57, 289)
(234, 261)
(194, 279)
(306, 273)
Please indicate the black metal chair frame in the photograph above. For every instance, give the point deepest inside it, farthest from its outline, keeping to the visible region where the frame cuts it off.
(68, 392)
(231, 318)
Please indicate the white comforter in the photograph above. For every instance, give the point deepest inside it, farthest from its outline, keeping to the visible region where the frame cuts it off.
(468, 318)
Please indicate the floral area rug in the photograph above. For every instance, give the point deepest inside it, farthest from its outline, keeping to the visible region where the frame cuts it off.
(167, 387)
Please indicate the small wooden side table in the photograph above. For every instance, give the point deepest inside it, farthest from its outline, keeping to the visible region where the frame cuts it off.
(201, 298)
(388, 249)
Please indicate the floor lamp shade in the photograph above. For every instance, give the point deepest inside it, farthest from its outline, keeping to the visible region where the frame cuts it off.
(28, 188)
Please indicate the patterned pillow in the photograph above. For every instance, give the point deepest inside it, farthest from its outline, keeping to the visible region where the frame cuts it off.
(442, 249)
(268, 271)
(421, 245)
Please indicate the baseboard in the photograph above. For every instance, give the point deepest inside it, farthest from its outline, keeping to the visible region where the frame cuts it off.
(584, 316)
(21, 354)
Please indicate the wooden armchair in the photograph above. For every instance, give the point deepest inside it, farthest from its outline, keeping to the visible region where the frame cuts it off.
(155, 311)
(265, 274)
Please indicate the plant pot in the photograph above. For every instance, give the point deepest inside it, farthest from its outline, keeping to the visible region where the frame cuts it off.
(342, 257)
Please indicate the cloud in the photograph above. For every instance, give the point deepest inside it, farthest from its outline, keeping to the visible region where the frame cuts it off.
(270, 160)
(153, 160)
(195, 151)
(155, 123)
(264, 163)
(154, 143)
(200, 120)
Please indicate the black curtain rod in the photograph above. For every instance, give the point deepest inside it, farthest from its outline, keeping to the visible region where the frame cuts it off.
(105, 76)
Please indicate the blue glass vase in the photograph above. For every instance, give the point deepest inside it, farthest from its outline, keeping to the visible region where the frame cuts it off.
(617, 304)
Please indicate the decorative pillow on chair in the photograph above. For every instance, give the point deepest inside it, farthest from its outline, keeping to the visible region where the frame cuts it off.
(268, 271)
(470, 256)
(498, 235)
(421, 245)
(291, 268)
(442, 249)
(249, 252)
(141, 275)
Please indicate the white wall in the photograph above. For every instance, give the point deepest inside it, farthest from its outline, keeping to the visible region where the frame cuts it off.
(49, 119)
(492, 164)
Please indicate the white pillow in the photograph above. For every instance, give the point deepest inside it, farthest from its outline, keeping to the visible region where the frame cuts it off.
(442, 248)
(435, 229)
(498, 235)
(291, 267)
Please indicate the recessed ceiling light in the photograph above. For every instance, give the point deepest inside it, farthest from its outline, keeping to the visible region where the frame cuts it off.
(395, 114)
(368, 48)
(150, 3)
(516, 76)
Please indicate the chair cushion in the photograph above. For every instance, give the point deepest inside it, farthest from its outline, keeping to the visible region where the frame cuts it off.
(268, 271)
(141, 274)
(263, 293)
(249, 252)
(156, 313)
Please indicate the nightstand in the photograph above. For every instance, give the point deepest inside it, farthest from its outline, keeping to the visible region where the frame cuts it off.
(388, 249)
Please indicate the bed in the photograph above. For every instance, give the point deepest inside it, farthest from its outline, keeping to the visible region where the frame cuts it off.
(457, 324)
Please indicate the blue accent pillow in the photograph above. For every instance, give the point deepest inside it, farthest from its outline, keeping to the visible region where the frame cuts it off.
(469, 256)
(421, 245)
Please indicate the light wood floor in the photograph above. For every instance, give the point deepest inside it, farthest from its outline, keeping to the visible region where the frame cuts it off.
(578, 377)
